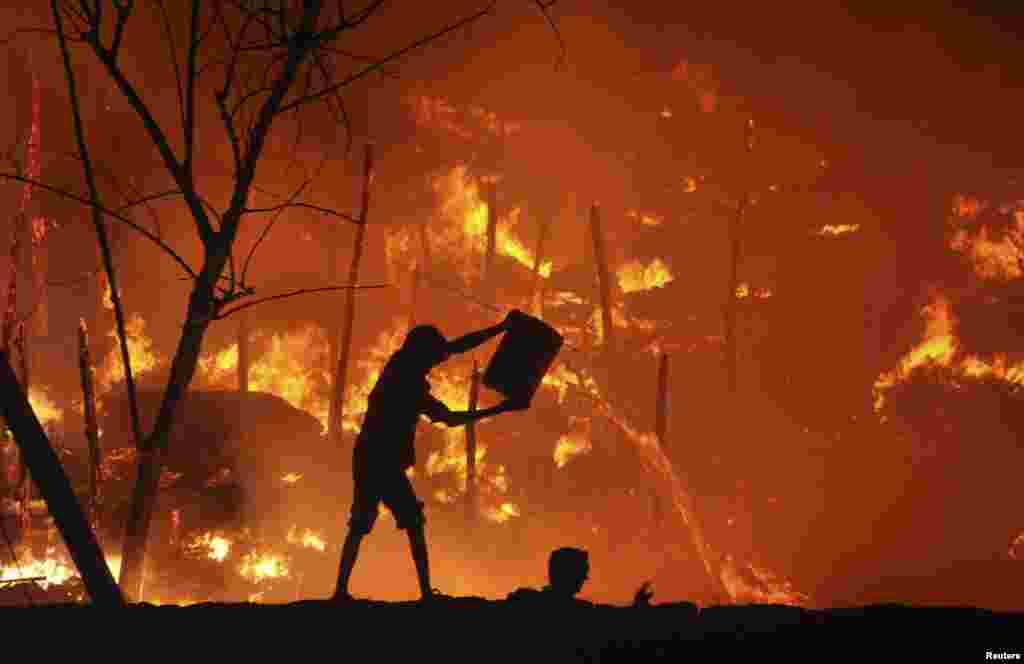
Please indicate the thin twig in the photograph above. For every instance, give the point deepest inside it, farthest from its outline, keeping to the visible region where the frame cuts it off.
(301, 291)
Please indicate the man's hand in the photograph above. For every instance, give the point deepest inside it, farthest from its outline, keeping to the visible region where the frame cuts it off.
(510, 317)
(643, 595)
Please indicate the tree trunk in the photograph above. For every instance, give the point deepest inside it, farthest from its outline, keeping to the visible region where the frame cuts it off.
(334, 323)
(60, 499)
(153, 447)
(350, 303)
(471, 497)
(91, 428)
(600, 257)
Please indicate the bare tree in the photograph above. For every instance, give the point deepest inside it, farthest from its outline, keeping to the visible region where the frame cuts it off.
(254, 62)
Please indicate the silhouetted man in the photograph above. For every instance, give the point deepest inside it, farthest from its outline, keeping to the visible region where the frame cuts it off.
(384, 449)
(568, 570)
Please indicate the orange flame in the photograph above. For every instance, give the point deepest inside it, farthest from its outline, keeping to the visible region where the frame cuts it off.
(214, 546)
(257, 567)
(838, 229)
(941, 346)
(635, 276)
(45, 409)
(464, 237)
(308, 539)
(140, 352)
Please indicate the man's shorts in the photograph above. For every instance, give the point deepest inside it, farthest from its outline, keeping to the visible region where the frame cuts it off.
(391, 487)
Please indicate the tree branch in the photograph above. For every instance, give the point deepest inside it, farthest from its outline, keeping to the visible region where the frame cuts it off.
(301, 291)
(101, 233)
(390, 58)
(74, 197)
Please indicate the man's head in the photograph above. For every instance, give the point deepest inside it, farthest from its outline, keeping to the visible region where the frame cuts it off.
(568, 570)
(426, 346)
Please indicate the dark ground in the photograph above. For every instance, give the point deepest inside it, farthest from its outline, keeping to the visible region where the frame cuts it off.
(483, 630)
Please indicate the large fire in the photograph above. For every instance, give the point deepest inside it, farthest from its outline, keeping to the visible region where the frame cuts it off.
(47, 412)
(463, 235)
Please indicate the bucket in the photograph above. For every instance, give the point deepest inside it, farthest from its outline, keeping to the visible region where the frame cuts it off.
(526, 352)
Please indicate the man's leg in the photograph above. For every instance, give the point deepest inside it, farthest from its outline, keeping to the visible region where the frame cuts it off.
(418, 545)
(349, 553)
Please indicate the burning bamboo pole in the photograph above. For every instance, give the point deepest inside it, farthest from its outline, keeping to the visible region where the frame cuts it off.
(491, 193)
(60, 498)
(243, 352)
(538, 260)
(735, 248)
(471, 497)
(91, 428)
(350, 303)
(604, 283)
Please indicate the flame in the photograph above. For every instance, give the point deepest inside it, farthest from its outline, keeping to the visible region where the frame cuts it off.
(214, 546)
(108, 297)
(634, 276)
(258, 567)
(291, 478)
(1017, 548)
(308, 539)
(46, 411)
(645, 219)
(745, 290)
(464, 237)
(54, 569)
(942, 347)
(838, 229)
(995, 255)
(749, 583)
(574, 443)
(140, 352)
(221, 368)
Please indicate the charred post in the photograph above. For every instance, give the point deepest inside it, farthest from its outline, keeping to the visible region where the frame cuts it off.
(243, 352)
(350, 302)
(471, 500)
(53, 483)
(91, 428)
(491, 193)
(538, 260)
(604, 282)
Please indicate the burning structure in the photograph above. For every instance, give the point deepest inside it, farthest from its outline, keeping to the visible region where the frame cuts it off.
(634, 448)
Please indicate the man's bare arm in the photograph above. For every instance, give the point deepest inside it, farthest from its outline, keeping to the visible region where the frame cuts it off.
(468, 342)
(438, 412)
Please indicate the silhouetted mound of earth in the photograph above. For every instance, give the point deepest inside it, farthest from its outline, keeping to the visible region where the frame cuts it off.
(525, 629)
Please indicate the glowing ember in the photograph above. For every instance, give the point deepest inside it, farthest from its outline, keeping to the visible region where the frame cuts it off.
(1017, 548)
(307, 539)
(645, 219)
(635, 276)
(291, 478)
(745, 290)
(750, 583)
(210, 545)
(260, 567)
(838, 229)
